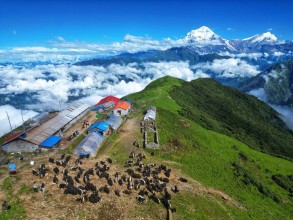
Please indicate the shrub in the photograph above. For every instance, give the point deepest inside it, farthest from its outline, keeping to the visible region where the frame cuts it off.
(284, 181)
(243, 156)
(7, 184)
(248, 178)
(25, 189)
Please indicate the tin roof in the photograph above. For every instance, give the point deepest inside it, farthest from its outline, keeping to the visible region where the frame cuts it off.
(12, 137)
(51, 126)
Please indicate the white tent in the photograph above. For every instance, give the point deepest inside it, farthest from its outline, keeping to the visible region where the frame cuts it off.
(150, 115)
(89, 145)
(115, 121)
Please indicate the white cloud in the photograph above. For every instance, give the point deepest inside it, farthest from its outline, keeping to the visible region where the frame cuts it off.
(130, 44)
(46, 85)
(34, 49)
(201, 74)
(61, 51)
(278, 53)
(273, 74)
(176, 69)
(49, 84)
(43, 86)
(230, 29)
(14, 116)
(286, 113)
(259, 93)
(60, 38)
(252, 56)
(229, 68)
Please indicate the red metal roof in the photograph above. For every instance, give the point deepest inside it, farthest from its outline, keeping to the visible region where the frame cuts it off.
(12, 137)
(109, 99)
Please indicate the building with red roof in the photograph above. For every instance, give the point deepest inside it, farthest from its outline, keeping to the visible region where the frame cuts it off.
(110, 98)
(106, 103)
(13, 137)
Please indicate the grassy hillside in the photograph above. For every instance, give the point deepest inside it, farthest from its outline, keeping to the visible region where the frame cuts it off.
(238, 115)
(215, 159)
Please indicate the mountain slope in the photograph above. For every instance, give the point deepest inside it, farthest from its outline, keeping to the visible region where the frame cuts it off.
(226, 179)
(172, 54)
(277, 82)
(230, 112)
(214, 159)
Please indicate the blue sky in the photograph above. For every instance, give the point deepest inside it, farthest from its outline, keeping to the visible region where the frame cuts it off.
(39, 22)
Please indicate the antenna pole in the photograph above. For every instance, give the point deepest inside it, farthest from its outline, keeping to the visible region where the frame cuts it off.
(9, 121)
(23, 128)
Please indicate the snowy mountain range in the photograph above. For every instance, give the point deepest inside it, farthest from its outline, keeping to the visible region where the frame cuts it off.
(204, 40)
(205, 36)
(261, 50)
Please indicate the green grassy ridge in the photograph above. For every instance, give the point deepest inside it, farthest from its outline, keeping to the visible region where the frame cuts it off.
(207, 156)
(230, 112)
(188, 205)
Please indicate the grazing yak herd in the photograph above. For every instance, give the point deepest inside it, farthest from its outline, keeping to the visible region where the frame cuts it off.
(145, 181)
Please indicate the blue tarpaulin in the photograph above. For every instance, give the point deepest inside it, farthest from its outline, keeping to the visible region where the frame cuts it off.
(101, 126)
(51, 141)
(96, 108)
(23, 135)
(12, 167)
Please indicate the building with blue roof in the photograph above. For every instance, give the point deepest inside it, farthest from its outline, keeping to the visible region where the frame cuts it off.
(50, 142)
(100, 127)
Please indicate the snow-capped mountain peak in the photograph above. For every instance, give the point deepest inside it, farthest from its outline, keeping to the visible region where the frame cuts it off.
(203, 35)
(266, 37)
